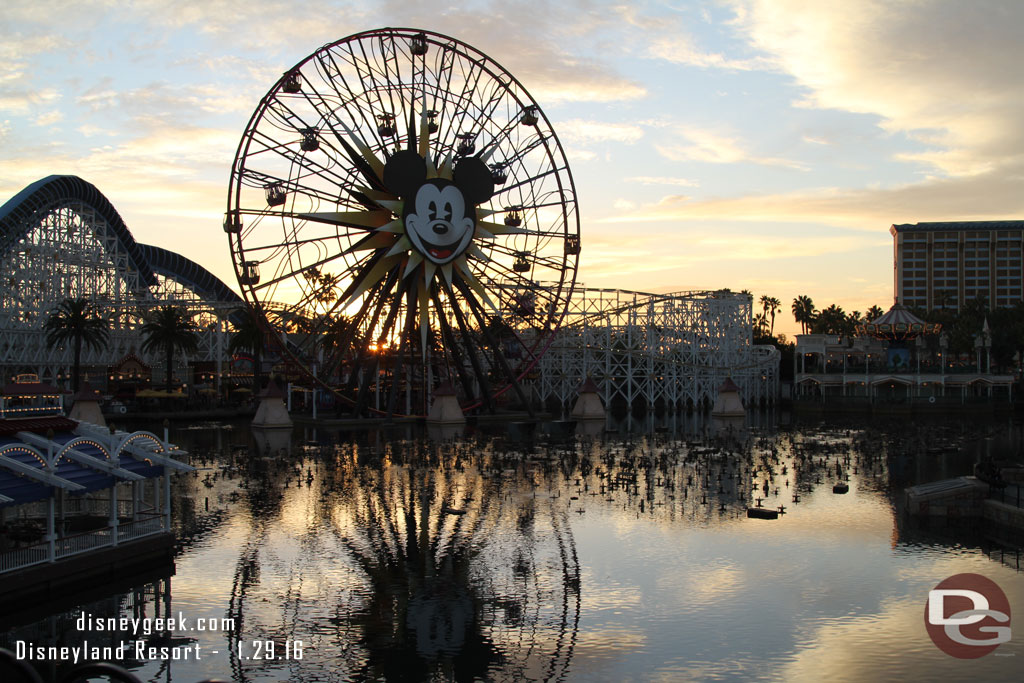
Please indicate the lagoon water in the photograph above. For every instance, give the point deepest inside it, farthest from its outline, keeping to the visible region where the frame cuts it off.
(626, 555)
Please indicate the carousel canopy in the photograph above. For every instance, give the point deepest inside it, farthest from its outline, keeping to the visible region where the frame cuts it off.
(897, 324)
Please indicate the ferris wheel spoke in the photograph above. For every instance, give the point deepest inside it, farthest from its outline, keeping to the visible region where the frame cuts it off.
(470, 81)
(292, 273)
(357, 159)
(476, 309)
(317, 322)
(410, 320)
(386, 329)
(450, 345)
(362, 351)
(376, 294)
(526, 181)
(292, 242)
(504, 133)
(442, 76)
(304, 161)
(327, 61)
(530, 145)
(377, 87)
(391, 57)
(470, 346)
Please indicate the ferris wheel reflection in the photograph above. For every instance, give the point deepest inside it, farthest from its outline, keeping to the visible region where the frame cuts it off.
(469, 574)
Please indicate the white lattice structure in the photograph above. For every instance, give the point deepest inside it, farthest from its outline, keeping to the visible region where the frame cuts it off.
(671, 350)
(61, 238)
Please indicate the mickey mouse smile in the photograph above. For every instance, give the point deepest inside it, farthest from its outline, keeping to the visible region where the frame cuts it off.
(438, 225)
(439, 214)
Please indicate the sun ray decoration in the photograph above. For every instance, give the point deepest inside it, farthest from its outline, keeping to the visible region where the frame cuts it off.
(401, 214)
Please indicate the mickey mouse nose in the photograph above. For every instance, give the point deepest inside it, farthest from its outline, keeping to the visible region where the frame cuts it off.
(440, 228)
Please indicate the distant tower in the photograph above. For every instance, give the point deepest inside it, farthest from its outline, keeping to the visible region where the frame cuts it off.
(728, 403)
(445, 408)
(87, 406)
(272, 411)
(588, 405)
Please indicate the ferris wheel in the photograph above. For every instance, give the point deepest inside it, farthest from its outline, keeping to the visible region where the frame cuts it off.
(401, 215)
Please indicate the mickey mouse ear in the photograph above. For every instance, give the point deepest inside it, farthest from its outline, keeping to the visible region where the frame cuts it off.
(404, 172)
(474, 179)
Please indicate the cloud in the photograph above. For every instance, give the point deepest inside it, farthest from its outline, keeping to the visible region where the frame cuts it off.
(662, 180)
(583, 132)
(49, 118)
(944, 72)
(987, 196)
(23, 100)
(678, 50)
(715, 147)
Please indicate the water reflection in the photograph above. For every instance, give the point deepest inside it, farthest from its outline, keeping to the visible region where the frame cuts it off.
(542, 555)
(469, 572)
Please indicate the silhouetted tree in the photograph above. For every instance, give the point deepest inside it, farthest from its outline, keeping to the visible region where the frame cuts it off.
(76, 321)
(170, 329)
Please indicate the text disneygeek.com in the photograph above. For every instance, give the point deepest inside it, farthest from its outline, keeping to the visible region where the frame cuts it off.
(140, 648)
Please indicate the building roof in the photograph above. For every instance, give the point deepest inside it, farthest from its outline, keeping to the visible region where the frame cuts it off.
(897, 324)
(952, 226)
(30, 389)
(87, 393)
(272, 390)
(36, 425)
(728, 385)
(22, 489)
(444, 389)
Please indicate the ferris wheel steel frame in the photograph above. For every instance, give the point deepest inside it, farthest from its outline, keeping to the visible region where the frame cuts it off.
(312, 190)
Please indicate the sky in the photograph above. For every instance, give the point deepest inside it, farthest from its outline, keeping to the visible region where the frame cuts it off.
(751, 144)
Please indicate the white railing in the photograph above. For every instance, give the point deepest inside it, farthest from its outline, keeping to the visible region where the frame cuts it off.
(77, 544)
(80, 543)
(140, 528)
(23, 557)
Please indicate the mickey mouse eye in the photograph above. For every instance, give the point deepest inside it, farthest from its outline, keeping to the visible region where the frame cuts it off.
(447, 211)
(433, 211)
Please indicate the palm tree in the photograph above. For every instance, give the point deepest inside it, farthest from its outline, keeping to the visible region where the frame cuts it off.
(773, 305)
(760, 325)
(943, 298)
(832, 320)
(77, 321)
(803, 312)
(248, 336)
(874, 313)
(170, 328)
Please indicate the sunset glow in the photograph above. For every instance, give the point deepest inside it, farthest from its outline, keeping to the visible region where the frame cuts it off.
(751, 144)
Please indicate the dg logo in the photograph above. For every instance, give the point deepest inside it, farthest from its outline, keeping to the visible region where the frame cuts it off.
(967, 616)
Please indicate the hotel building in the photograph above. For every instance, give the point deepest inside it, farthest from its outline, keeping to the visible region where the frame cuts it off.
(945, 265)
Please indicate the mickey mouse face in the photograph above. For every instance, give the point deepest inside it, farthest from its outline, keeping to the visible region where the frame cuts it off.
(437, 222)
(439, 214)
